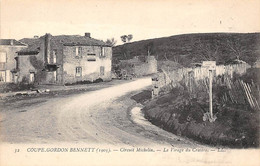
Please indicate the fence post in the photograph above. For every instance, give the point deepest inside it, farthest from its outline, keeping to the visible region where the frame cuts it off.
(211, 66)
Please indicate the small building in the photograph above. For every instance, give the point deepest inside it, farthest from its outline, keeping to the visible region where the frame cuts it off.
(64, 59)
(8, 49)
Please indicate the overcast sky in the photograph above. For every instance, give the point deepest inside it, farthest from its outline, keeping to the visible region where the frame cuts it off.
(113, 18)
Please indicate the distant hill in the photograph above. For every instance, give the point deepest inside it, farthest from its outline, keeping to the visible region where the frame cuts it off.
(194, 48)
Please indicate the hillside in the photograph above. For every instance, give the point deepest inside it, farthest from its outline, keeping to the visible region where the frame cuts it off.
(190, 48)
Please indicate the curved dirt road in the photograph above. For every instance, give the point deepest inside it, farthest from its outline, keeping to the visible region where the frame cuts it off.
(101, 116)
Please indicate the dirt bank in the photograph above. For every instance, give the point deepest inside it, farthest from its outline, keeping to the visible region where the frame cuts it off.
(234, 127)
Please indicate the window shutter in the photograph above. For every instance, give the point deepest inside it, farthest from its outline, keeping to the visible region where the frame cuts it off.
(77, 51)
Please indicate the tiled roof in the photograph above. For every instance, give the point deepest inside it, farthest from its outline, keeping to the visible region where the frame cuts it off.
(76, 40)
(33, 46)
(57, 42)
(8, 42)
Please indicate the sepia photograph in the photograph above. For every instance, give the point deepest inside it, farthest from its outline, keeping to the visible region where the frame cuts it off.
(148, 82)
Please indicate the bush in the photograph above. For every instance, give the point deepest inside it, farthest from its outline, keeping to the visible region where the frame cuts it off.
(12, 87)
(39, 66)
(85, 82)
(252, 74)
(98, 80)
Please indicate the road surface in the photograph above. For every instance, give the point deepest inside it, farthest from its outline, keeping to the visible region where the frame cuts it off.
(99, 117)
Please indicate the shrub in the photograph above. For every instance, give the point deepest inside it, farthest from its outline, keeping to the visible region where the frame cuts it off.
(39, 66)
(98, 80)
(12, 87)
(85, 82)
(252, 74)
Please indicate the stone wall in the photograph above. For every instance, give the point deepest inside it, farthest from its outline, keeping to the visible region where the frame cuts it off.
(139, 68)
(146, 68)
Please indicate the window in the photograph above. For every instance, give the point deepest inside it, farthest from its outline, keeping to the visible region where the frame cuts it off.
(102, 51)
(54, 55)
(2, 76)
(102, 70)
(48, 58)
(55, 75)
(3, 57)
(2, 65)
(17, 62)
(78, 51)
(15, 78)
(31, 77)
(78, 71)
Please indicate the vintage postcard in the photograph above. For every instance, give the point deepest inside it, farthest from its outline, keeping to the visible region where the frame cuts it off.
(133, 82)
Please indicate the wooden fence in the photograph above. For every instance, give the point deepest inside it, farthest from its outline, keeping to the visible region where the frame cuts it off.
(199, 73)
(196, 79)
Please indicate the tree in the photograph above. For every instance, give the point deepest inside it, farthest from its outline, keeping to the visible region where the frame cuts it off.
(39, 66)
(126, 38)
(207, 51)
(129, 37)
(149, 47)
(111, 42)
(236, 48)
(125, 51)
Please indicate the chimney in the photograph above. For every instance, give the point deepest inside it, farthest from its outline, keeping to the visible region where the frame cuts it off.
(47, 45)
(87, 34)
(11, 42)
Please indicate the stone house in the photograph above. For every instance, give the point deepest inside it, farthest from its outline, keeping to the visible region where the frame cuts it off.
(8, 49)
(64, 59)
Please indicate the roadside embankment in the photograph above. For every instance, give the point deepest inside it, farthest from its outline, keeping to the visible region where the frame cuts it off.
(235, 127)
